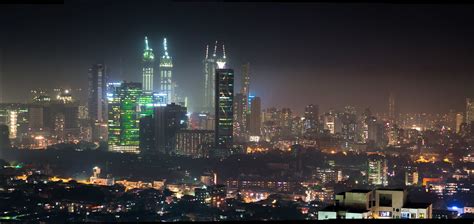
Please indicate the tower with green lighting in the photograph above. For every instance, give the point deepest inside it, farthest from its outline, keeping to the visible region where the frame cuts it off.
(148, 64)
(166, 75)
(124, 116)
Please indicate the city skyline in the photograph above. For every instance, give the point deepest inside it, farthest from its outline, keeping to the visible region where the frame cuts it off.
(114, 111)
(304, 52)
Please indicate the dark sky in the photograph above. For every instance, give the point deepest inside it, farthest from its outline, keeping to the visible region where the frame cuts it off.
(300, 53)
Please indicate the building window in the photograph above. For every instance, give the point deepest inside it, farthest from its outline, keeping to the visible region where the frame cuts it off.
(385, 200)
(405, 215)
(385, 214)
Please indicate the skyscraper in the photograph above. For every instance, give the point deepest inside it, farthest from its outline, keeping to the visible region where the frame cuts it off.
(124, 116)
(469, 110)
(377, 170)
(148, 64)
(210, 64)
(239, 114)
(168, 121)
(255, 117)
(459, 120)
(147, 133)
(329, 120)
(97, 103)
(224, 96)
(245, 90)
(392, 112)
(166, 75)
(311, 119)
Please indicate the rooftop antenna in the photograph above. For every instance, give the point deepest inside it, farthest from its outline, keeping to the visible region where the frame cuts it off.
(146, 43)
(166, 47)
(215, 49)
(223, 50)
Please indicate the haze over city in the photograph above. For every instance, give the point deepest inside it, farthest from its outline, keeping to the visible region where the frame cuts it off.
(330, 54)
(172, 111)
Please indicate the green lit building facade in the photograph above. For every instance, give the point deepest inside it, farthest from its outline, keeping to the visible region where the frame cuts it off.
(148, 64)
(124, 114)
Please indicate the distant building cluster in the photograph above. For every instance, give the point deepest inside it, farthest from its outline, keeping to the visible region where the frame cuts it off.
(309, 163)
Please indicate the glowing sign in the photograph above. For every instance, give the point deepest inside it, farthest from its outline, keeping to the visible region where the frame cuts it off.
(254, 138)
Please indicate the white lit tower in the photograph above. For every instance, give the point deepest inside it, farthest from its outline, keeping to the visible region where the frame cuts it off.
(210, 64)
(167, 86)
(148, 62)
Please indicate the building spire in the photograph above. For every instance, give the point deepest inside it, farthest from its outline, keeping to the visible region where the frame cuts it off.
(146, 43)
(223, 50)
(215, 49)
(165, 46)
(207, 51)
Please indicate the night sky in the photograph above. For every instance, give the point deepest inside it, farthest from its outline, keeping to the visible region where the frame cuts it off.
(300, 53)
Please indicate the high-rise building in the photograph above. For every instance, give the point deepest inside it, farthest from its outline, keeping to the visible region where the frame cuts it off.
(286, 122)
(377, 170)
(411, 176)
(363, 126)
(311, 119)
(168, 121)
(210, 65)
(224, 97)
(349, 125)
(245, 91)
(469, 110)
(329, 120)
(239, 115)
(97, 103)
(255, 117)
(148, 65)
(124, 115)
(147, 133)
(166, 75)
(459, 121)
(194, 143)
(392, 111)
(16, 117)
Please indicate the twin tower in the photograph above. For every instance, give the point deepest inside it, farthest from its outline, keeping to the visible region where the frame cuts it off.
(167, 84)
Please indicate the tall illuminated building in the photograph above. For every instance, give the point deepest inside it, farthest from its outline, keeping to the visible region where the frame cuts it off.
(469, 110)
(286, 121)
(148, 64)
(392, 112)
(123, 109)
(311, 119)
(97, 102)
(411, 176)
(459, 121)
(377, 171)
(239, 114)
(245, 90)
(224, 96)
(329, 120)
(166, 75)
(210, 65)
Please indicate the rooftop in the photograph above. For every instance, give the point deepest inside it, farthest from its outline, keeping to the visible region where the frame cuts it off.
(416, 205)
(359, 191)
